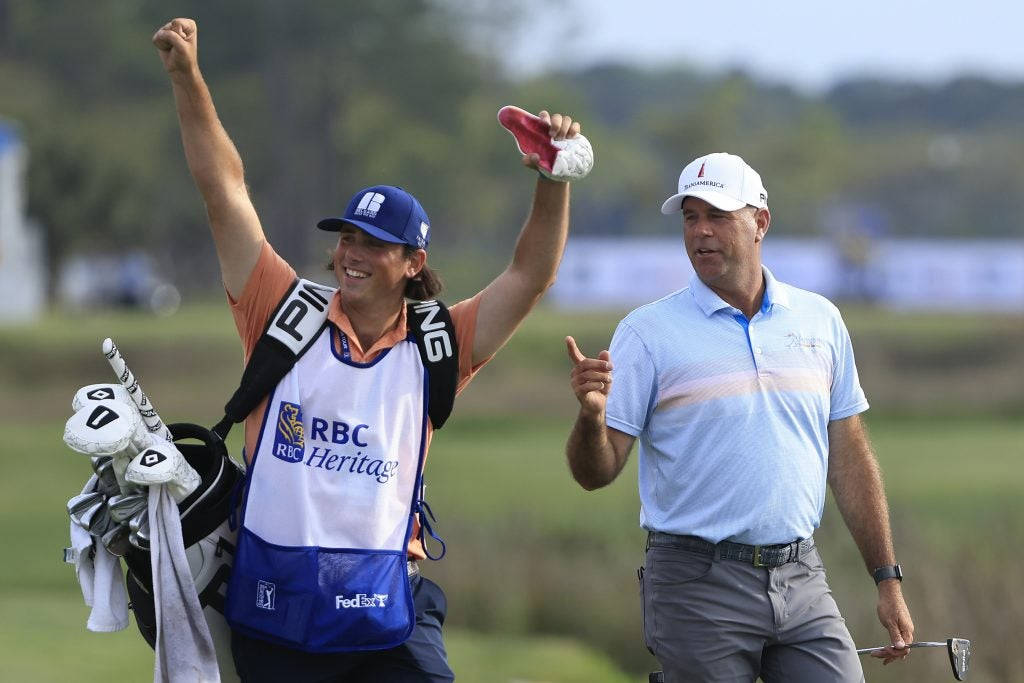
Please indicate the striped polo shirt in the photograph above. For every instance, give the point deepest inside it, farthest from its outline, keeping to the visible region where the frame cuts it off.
(732, 415)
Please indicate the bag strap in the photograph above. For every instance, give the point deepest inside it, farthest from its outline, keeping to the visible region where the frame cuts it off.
(297, 322)
(431, 324)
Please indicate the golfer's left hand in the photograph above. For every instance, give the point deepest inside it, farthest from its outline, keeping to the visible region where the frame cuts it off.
(895, 617)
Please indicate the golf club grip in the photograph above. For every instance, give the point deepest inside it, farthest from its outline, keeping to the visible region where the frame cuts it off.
(127, 378)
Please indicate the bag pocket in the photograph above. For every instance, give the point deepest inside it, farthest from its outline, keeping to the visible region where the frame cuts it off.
(364, 601)
(269, 595)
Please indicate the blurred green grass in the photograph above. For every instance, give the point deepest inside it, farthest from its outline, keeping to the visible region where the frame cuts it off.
(540, 575)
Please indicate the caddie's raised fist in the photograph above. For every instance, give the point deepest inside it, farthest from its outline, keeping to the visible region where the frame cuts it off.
(177, 43)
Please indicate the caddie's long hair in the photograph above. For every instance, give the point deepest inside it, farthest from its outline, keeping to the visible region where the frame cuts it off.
(425, 286)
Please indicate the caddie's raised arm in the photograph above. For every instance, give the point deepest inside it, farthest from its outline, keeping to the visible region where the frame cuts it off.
(212, 158)
(507, 300)
(596, 452)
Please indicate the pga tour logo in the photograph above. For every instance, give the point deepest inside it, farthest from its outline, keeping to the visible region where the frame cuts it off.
(265, 591)
(369, 205)
(361, 601)
(289, 436)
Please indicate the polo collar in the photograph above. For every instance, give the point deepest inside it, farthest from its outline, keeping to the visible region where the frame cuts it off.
(710, 303)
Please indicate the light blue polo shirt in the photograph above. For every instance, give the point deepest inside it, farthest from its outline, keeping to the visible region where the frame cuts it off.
(732, 416)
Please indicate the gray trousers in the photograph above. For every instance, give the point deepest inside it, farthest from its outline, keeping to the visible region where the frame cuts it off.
(713, 619)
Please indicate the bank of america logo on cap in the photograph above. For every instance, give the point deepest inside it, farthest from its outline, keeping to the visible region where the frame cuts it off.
(723, 180)
(386, 212)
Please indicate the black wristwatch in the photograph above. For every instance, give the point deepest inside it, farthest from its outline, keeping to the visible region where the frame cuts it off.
(891, 572)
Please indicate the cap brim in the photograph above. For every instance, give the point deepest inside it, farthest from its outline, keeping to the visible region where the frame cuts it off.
(335, 225)
(715, 199)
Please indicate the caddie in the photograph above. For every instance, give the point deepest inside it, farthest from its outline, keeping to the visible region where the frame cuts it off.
(744, 395)
(326, 583)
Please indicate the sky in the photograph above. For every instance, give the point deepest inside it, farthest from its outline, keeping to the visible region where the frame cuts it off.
(808, 45)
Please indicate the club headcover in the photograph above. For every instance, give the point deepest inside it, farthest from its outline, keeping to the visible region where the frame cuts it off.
(563, 160)
(104, 427)
(163, 463)
(91, 393)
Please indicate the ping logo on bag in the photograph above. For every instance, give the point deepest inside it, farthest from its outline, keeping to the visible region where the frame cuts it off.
(361, 601)
(265, 595)
(436, 341)
(289, 436)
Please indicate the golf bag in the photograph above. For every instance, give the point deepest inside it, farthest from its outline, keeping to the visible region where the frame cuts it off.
(208, 538)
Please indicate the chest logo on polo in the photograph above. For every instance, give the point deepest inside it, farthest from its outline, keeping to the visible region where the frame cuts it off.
(289, 436)
(798, 342)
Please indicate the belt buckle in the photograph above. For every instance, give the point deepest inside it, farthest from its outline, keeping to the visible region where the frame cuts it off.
(757, 562)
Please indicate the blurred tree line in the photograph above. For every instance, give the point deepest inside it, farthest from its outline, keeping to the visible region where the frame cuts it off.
(323, 98)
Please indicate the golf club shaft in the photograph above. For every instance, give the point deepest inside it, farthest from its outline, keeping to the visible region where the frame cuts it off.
(127, 378)
(869, 650)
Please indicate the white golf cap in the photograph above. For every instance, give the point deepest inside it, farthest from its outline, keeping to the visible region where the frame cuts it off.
(723, 180)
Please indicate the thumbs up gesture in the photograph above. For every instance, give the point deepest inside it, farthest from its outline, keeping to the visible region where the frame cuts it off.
(591, 378)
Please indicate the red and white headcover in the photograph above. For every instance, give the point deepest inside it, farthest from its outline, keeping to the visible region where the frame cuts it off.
(569, 159)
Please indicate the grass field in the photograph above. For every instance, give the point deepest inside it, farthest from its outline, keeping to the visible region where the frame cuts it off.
(541, 575)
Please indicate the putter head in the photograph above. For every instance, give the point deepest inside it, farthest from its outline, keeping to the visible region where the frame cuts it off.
(959, 657)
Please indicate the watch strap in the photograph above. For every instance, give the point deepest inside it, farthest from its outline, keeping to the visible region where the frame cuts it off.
(893, 571)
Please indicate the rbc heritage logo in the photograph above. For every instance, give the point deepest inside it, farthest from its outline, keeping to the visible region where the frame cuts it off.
(265, 595)
(289, 437)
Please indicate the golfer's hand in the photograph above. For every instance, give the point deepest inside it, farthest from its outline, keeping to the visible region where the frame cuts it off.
(895, 617)
(560, 127)
(177, 43)
(590, 379)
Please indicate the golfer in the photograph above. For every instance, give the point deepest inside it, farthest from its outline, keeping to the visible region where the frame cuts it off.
(744, 395)
(357, 392)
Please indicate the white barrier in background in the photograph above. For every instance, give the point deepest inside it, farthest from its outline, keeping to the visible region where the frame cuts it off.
(940, 275)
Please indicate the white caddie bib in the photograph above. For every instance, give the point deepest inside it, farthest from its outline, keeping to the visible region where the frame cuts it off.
(321, 561)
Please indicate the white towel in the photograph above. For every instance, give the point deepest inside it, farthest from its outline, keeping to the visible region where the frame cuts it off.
(100, 577)
(184, 648)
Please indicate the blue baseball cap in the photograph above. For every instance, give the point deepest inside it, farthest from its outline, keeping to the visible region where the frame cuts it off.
(386, 212)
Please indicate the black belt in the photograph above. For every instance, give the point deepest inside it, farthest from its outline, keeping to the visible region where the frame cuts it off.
(757, 555)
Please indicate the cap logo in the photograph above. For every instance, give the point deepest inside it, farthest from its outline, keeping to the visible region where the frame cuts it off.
(700, 173)
(421, 240)
(369, 205)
